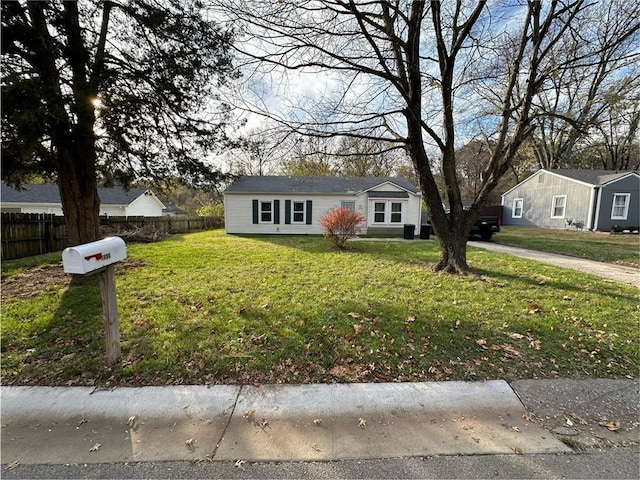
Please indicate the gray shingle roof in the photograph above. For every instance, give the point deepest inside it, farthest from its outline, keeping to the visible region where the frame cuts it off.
(48, 193)
(594, 177)
(320, 185)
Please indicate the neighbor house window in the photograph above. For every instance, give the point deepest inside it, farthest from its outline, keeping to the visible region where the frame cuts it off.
(620, 208)
(298, 212)
(266, 212)
(387, 211)
(557, 209)
(516, 212)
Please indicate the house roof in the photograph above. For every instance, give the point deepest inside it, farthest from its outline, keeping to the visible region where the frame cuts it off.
(593, 177)
(309, 184)
(49, 193)
(590, 177)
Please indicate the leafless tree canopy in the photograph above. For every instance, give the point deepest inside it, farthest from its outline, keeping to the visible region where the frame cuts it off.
(426, 77)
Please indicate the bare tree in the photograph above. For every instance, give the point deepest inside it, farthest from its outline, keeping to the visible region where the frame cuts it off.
(602, 49)
(422, 76)
(262, 151)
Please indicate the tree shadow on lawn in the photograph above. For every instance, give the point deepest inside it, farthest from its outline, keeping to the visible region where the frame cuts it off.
(68, 346)
(426, 253)
(569, 285)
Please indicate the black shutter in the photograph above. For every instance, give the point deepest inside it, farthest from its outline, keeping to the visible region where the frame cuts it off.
(287, 212)
(309, 215)
(255, 211)
(276, 211)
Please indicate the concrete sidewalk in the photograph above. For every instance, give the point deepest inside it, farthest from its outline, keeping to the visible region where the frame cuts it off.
(59, 425)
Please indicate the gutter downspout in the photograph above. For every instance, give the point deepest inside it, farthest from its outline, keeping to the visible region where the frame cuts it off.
(590, 207)
(596, 212)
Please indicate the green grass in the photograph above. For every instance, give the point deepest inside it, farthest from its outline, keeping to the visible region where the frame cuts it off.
(212, 308)
(623, 249)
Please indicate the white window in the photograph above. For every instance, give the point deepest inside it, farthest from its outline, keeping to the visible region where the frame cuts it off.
(396, 212)
(299, 212)
(558, 204)
(350, 205)
(620, 207)
(388, 211)
(379, 212)
(266, 212)
(516, 212)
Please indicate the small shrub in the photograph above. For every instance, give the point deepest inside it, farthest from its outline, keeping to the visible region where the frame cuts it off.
(341, 224)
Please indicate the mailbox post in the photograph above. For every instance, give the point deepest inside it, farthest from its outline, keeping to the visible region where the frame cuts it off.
(100, 258)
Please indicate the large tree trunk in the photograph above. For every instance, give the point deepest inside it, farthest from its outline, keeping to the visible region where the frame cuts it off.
(452, 230)
(453, 253)
(79, 195)
(77, 145)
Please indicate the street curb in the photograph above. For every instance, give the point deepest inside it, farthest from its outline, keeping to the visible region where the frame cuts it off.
(266, 423)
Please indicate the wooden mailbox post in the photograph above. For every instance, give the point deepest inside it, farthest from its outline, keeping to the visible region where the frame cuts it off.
(99, 258)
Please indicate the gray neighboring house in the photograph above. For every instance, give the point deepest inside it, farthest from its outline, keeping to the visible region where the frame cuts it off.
(594, 199)
(294, 205)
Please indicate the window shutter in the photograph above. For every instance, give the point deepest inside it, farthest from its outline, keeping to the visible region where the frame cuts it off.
(255, 211)
(276, 211)
(309, 215)
(287, 212)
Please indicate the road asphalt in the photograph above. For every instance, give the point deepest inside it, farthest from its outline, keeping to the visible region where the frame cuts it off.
(320, 422)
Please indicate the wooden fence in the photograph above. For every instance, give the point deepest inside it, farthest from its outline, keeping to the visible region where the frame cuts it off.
(28, 234)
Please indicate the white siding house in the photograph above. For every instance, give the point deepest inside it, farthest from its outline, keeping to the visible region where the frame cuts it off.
(114, 202)
(295, 205)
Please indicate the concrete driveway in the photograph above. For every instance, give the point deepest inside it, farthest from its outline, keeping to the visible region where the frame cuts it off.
(617, 273)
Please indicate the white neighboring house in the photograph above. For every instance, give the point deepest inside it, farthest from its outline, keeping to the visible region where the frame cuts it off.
(295, 205)
(114, 202)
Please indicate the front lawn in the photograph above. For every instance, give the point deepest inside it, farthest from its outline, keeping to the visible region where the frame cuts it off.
(623, 249)
(211, 308)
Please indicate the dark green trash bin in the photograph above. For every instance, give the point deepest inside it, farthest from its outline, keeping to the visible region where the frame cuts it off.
(425, 230)
(409, 231)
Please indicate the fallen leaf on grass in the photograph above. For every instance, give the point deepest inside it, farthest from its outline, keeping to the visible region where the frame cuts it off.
(354, 315)
(95, 447)
(410, 319)
(508, 349)
(482, 342)
(516, 336)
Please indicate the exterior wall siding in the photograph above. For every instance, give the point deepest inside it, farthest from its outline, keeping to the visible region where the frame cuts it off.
(144, 206)
(626, 185)
(537, 194)
(239, 219)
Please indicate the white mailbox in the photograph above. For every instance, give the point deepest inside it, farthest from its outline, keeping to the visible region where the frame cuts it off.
(90, 257)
